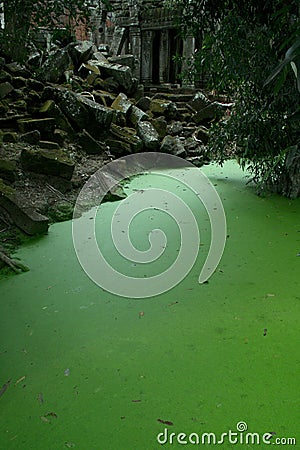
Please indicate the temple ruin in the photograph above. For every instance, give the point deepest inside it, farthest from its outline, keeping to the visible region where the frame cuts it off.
(147, 30)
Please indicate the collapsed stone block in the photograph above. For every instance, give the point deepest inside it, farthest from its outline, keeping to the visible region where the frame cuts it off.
(160, 124)
(137, 115)
(173, 145)
(48, 162)
(56, 65)
(82, 112)
(5, 89)
(148, 135)
(199, 101)
(50, 109)
(124, 60)
(132, 143)
(91, 145)
(23, 216)
(121, 103)
(163, 108)
(202, 134)
(207, 113)
(8, 169)
(32, 137)
(82, 52)
(49, 145)
(122, 74)
(9, 136)
(44, 126)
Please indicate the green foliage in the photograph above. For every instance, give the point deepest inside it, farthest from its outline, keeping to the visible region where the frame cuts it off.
(239, 46)
(292, 57)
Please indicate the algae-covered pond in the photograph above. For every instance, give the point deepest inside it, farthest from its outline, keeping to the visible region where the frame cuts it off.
(90, 370)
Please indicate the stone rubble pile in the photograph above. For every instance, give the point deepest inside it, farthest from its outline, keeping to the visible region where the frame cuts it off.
(83, 104)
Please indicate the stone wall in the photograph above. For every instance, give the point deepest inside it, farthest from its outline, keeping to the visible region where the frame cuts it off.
(146, 29)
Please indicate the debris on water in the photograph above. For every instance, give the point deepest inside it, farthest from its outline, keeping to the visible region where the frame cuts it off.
(5, 387)
(122, 417)
(44, 419)
(67, 372)
(20, 379)
(298, 254)
(51, 414)
(40, 398)
(265, 332)
(136, 401)
(69, 444)
(172, 303)
(141, 314)
(165, 422)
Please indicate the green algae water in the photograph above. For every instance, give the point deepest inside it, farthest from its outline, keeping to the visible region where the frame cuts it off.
(94, 371)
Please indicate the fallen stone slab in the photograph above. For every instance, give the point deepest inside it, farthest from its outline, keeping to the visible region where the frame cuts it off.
(82, 112)
(143, 103)
(35, 85)
(82, 52)
(44, 126)
(148, 135)
(175, 128)
(160, 124)
(121, 103)
(19, 82)
(8, 169)
(49, 145)
(118, 147)
(98, 56)
(100, 117)
(5, 76)
(56, 65)
(128, 136)
(32, 137)
(48, 162)
(122, 74)
(163, 108)
(124, 60)
(5, 89)
(199, 101)
(23, 216)
(50, 109)
(17, 70)
(201, 134)
(68, 102)
(198, 161)
(10, 136)
(60, 136)
(208, 113)
(108, 85)
(87, 69)
(137, 115)
(90, 145)
(173, 145)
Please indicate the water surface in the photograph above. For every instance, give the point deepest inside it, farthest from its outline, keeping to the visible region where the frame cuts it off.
(203, 357)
